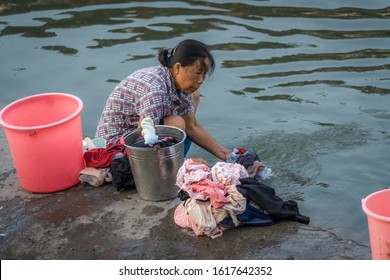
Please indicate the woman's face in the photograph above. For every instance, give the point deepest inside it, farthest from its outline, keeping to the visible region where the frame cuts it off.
(190, 78)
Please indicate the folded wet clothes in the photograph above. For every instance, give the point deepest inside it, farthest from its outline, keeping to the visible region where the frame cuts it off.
(95, 176)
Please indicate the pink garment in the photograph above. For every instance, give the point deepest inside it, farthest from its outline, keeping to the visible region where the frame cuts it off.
(202, 183)
(213, 195)
(195, 178)
(207, 189)
(197, 212)
(200, 212)
(183, 220)
(190, 172)
(228, 173)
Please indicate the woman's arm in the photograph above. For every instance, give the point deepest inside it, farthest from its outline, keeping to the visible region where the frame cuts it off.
(200, 136)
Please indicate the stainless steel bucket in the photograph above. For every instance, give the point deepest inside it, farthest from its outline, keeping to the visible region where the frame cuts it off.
(155, 169)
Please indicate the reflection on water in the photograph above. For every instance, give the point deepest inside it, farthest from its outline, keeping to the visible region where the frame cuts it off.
(304, 84)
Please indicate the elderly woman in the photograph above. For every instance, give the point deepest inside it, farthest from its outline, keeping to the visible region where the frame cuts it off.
(167, 93)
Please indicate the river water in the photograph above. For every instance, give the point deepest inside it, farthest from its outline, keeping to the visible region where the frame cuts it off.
(305, 84)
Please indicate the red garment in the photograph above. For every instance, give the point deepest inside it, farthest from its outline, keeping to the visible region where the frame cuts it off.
(102, 157)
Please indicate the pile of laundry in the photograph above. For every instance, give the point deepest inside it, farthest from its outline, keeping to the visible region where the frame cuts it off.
(229, 195)
(109, 162)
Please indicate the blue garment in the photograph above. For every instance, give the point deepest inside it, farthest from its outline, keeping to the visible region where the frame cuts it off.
(251, 217)
(187, 141)
(187, 145)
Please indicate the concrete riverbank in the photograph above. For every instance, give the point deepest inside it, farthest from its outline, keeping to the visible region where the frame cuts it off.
(90, 223)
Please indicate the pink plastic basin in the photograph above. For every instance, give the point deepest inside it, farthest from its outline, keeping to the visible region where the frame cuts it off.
(44, 134)
(377, 208)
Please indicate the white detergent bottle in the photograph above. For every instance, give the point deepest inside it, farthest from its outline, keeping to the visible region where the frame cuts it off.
(148, 131)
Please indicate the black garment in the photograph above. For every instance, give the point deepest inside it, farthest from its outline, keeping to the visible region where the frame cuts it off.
(247, 159)
(161, 142)
(183, 195)
(122, 177)
(266, 199)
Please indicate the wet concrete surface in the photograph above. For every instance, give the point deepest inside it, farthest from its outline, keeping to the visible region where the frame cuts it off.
(87, 223)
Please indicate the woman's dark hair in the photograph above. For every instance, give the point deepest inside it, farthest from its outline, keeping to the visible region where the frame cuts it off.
(186, 53)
